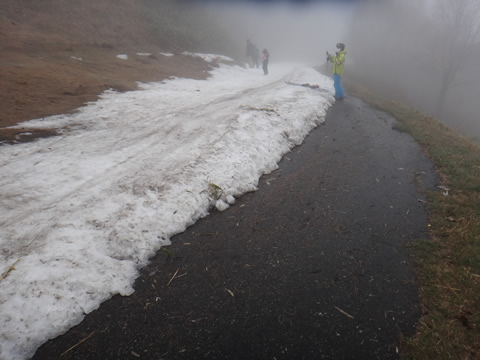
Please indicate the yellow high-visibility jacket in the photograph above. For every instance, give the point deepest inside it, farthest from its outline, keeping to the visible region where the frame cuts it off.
(339, 62)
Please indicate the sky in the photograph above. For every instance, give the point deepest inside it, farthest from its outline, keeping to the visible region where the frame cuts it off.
(81, 213)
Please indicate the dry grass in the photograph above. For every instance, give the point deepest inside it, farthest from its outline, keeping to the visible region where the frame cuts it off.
(58, 55)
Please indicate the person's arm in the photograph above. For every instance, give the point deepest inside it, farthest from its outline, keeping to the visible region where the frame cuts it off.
(340, 59)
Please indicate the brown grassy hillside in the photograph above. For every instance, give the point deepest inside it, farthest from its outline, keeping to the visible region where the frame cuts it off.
(55, 55)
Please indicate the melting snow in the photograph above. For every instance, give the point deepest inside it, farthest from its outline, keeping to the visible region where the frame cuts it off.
(82, 212)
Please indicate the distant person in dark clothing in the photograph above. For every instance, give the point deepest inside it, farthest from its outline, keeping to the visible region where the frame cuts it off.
(256, 57)
(250, 53)
(266, 57)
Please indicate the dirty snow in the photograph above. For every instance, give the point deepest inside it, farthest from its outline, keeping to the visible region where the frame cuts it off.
(81, 213)
(208, 57)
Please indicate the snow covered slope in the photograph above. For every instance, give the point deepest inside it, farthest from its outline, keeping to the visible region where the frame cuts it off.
(82, 212)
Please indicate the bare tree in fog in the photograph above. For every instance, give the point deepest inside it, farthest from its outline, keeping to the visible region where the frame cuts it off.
(424, 53)
(455, 43)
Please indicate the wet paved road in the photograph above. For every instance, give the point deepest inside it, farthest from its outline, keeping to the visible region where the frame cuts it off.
(313, 265)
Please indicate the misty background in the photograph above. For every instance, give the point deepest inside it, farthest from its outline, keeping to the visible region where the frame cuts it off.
(424, 53)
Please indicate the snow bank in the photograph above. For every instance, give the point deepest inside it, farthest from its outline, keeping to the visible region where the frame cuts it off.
(84, 211)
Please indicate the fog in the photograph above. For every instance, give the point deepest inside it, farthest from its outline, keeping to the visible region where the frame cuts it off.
(422, 52)
(290, 30)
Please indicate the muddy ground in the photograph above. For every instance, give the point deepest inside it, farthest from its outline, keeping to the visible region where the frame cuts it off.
(313, 265)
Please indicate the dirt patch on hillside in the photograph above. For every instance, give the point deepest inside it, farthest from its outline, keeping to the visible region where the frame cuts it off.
(48, 83)
(52, 63)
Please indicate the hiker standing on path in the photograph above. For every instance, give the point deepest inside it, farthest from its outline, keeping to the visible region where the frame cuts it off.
(266, 57)
(338, 64)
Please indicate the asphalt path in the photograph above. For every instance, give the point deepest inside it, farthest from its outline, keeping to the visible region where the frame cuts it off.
(313, 265)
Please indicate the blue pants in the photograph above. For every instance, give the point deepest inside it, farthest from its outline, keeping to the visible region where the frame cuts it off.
(338, 87)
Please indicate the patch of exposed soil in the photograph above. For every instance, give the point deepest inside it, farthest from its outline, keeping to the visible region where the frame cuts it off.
(24, 134)
(49, 83)
(51, 63)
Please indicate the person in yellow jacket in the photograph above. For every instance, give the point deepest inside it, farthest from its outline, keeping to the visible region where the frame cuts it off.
(338, 64)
